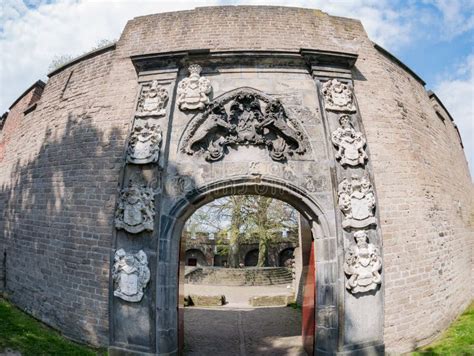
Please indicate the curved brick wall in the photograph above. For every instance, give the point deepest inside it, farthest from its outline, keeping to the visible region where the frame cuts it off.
(61, 161)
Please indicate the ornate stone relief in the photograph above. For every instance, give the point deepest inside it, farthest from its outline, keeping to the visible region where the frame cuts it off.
(244, 117)
(349, 143)
(193, 92)
(357, 202)
(180, 184)
(130, 274)
(153, 100)
(144, 145)
(338, 96)
(135, 210)
(362, 265)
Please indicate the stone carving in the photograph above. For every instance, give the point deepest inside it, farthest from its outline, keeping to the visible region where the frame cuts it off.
(338, 96)
(136, 210)
(144, 145)
(130, 274)
(357, 202)
(252, 118)
(309, 184)
(349, 143)
(362, 265)
(193, 92)
(179, 185)
(153, 100)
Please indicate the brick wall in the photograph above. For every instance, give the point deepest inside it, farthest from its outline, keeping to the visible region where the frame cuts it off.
(58, 179)
(239, 27)
(424, 199)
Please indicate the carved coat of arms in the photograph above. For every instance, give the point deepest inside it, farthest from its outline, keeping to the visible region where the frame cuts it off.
(135, 210)
(193, 92)
(144, 144)
(362, 265)
(349, 143)
(338, 96)
(152, 101)
(357, 202)
(244, 117)
(130, 274)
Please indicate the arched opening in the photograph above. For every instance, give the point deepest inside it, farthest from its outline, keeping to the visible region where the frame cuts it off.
(251, 258)
(195, 258)
(286, 257)
(252, 298)
(170, 320)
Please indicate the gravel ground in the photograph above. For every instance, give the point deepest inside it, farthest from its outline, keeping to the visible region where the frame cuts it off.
(228, 331)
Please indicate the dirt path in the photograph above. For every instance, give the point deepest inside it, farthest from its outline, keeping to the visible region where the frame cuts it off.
(220, 331)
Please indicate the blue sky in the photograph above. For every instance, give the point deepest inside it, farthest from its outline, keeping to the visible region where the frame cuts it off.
(435, 38)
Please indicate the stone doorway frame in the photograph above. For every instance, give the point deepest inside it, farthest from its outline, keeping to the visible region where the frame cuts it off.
(345, 322)
(326, 308)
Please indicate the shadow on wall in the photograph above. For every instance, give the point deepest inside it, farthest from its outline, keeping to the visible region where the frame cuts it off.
(56, 221)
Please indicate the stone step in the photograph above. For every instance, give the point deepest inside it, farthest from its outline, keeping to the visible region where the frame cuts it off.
(239, 276)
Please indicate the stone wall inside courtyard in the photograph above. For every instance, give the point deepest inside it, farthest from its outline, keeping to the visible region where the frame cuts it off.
(60, 164)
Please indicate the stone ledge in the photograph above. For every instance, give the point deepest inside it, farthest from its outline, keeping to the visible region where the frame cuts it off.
(271, 300)
(206, 300)
(119, 351)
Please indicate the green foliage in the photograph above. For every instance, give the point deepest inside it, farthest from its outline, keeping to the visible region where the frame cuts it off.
(457, 340)
(241, 219)
(22, 333)
(59, 60)
(295, 305)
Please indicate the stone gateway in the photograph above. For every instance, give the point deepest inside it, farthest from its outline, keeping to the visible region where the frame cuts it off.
(101, 167)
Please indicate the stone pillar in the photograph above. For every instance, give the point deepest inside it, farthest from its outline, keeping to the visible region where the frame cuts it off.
(133, 319)
(358, 232)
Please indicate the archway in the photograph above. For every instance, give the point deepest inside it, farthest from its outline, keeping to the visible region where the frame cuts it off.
(310, 211)
(246, 302)
(286, 256)
(251, 258)
(195, 257)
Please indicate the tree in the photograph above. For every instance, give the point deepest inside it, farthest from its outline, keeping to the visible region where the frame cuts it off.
(244, 218)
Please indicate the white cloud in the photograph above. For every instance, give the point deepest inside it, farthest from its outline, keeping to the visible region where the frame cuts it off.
(457, 16)
(384, 24)
(31, 37)
(457, 94)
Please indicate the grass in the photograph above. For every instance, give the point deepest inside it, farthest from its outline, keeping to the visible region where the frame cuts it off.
(20, 332)
(458, 340)
(294, 305)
